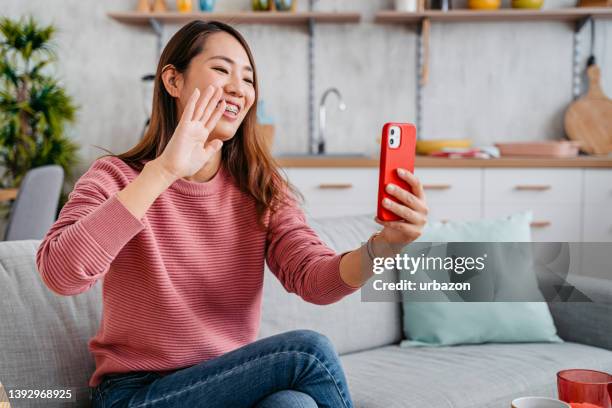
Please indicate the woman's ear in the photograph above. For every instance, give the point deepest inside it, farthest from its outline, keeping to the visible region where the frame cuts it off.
(173, 80)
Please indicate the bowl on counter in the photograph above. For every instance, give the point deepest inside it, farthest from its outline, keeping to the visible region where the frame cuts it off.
(434, 145)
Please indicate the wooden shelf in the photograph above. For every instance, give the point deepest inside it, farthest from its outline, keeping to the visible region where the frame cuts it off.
(424, 161)
(243, 17)
(564, 14)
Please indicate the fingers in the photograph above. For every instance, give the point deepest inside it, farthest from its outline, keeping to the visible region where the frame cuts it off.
(209, 92)
(417, 187)
(190, 107)
(216, 115)
(407, 198)
(210, 105)
(406, 213)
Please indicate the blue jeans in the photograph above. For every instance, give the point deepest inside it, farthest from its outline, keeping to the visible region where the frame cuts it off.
(296, 369)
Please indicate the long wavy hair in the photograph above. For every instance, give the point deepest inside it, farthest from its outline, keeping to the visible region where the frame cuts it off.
(245, 156)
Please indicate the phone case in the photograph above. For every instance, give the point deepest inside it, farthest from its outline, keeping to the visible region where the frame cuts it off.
(390, 161)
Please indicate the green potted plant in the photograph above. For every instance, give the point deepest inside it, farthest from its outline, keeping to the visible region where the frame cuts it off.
(34, 108)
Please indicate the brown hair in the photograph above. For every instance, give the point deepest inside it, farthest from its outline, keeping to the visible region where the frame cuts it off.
(245, 156)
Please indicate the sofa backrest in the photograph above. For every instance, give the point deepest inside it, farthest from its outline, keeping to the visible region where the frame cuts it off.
(351, 324)
(44, 337)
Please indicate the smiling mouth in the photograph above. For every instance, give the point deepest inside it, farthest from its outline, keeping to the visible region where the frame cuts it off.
(231, 109)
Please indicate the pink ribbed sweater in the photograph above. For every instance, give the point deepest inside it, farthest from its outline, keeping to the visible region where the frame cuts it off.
(184, 283)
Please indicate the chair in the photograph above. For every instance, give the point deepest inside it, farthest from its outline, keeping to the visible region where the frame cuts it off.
(35, 207)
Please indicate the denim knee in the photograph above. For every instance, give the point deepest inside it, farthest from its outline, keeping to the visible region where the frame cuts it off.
(312, 342)
(287, 399)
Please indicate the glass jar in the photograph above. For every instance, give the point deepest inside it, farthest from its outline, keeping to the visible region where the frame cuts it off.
(184, 6)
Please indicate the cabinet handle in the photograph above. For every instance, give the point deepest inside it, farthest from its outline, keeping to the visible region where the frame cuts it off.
(436, 186)
(540, 224)
(532, 187)
(335, 186)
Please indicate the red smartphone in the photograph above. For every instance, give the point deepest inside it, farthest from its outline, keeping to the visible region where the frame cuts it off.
(397, 150)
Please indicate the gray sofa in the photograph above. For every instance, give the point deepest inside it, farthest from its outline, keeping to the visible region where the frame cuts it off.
(43, 339)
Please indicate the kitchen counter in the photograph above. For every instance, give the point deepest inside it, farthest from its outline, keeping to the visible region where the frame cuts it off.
(424, 161)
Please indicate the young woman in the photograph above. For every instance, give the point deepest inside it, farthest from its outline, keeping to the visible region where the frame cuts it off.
(179, 228)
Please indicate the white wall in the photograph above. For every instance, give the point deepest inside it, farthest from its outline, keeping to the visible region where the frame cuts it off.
(488, 81)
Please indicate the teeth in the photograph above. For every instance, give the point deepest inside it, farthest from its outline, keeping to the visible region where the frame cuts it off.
(231, 108)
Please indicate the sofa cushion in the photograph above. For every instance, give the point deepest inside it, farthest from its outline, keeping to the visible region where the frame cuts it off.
(43, 336)
(351, 324)
(489, 375)
(446, 323)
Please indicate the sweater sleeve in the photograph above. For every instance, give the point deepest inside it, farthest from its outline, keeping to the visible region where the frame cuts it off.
(91, 229)
(301, 261)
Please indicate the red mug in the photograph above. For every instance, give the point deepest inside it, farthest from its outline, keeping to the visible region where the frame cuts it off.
(585, 388)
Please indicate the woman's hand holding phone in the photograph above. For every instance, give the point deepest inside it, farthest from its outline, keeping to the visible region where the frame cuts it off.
(401, 201)
(410, 207)
(402, 210)
(188, 150)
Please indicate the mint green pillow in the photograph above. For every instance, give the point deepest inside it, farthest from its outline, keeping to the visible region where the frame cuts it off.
(453, 323)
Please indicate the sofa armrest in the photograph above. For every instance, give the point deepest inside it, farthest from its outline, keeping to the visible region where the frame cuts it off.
(586, 322)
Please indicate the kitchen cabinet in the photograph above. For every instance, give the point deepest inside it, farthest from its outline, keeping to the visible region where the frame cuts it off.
(335, 192)
(452, 195)
(568, 204)
(553, 195)
(597, 211)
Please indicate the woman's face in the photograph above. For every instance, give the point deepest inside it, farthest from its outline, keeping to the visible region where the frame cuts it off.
(224, 63)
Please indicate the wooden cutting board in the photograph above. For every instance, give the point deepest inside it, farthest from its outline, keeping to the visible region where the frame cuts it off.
(589, 119)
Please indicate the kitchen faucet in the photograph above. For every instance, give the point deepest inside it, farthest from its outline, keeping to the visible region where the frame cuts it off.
(320, 143)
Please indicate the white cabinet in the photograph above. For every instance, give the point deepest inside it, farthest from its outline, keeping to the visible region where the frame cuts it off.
(452, 194)
(551, 222)
(568, 204)
(531, 186)
(597, 218)
(331, 192)
(597, 225)
(553, 195)
(598, 186)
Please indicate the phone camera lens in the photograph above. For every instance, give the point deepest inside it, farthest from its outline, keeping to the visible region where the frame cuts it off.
(392, 131)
